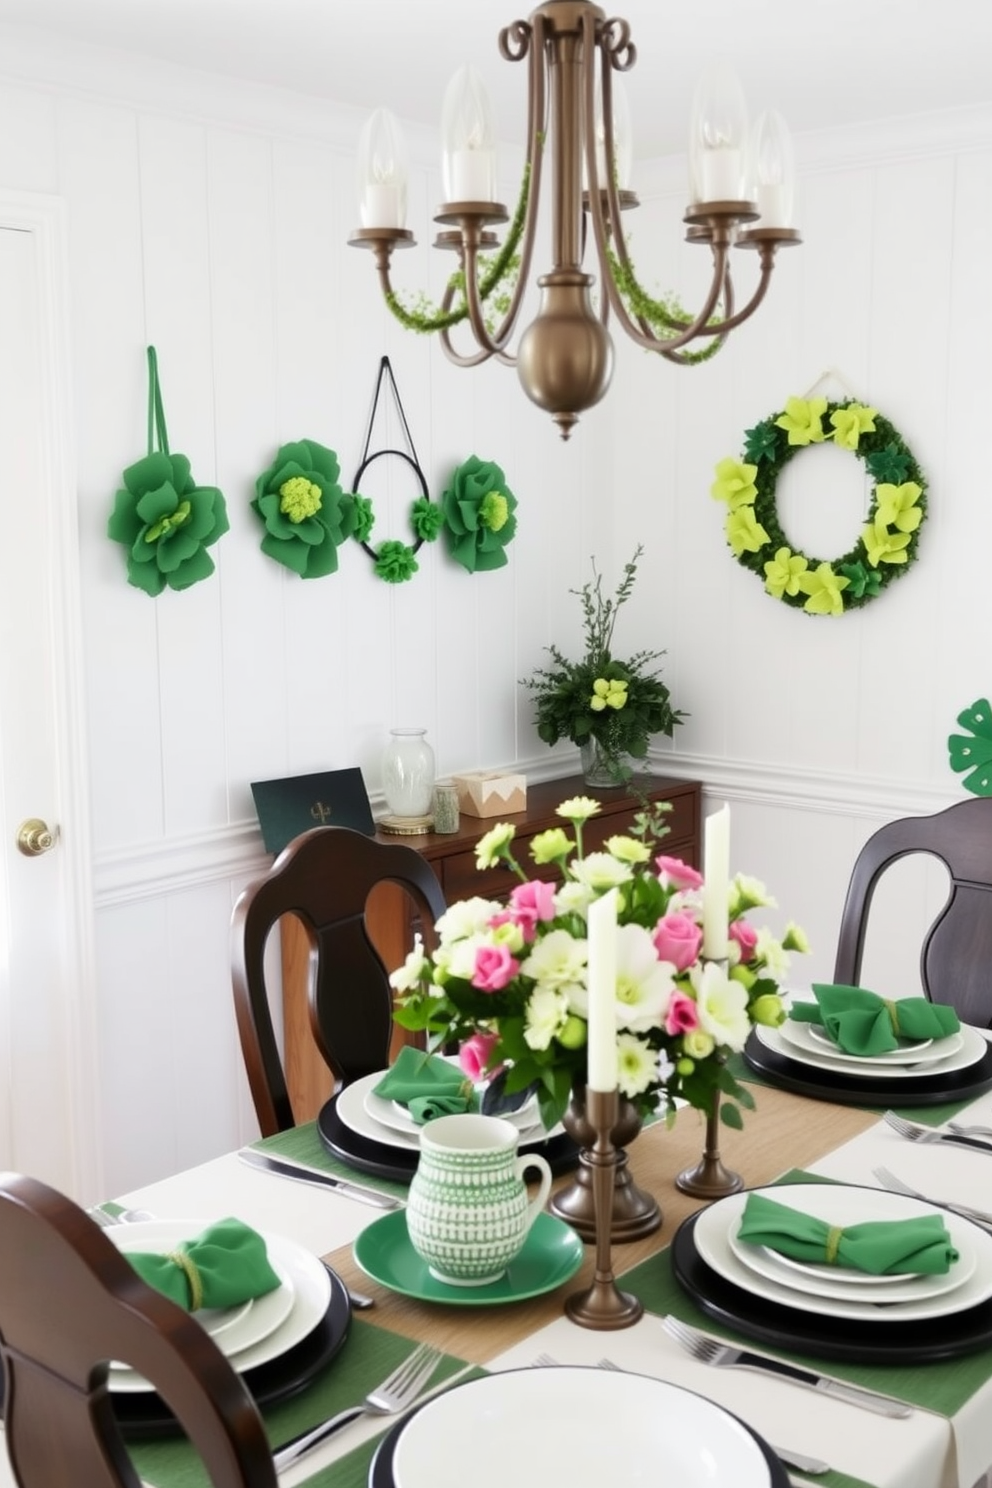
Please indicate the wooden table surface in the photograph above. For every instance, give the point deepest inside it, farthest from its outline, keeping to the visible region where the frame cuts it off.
(786, 1131)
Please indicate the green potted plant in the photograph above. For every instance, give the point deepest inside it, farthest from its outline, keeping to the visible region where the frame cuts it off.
(609, 708)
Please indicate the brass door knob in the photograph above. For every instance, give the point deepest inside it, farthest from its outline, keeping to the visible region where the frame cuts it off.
(35, 837)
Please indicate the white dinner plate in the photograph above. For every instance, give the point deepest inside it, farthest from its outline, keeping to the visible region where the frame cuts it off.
(214, 1320)
(837, 1204)
(656, 1431)
(275, 1323)
(845, 1284)
(968, 1052)
(396, 1116)
(351, 1108)
(808, 1038)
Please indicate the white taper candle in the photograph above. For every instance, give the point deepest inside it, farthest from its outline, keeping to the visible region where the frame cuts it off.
(601, 923)
(716, 886)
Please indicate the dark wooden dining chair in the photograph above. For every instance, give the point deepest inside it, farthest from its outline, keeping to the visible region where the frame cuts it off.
(69, 1303)
(324, 877)
(956, 956)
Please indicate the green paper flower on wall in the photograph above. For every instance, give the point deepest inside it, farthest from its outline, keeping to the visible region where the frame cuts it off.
(973, 751)
(887, 543)
(164, 519)
(479, 515)
(305, 512)
(167, 522)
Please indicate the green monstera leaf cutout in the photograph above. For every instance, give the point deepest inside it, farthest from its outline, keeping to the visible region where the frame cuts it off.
(974, 752)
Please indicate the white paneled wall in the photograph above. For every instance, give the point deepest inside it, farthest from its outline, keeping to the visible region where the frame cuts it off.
(212, 220)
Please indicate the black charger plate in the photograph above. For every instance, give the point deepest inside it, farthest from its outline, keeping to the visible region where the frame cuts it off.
(143, 1415)
(881, 1341)
(867, 1090)
(381, 1469)
(400, 1163)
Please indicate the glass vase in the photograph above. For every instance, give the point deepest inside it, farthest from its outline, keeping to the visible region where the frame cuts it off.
(408, 773)
(601, 768)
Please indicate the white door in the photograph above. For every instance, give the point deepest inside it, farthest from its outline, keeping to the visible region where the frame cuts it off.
(48, 1068)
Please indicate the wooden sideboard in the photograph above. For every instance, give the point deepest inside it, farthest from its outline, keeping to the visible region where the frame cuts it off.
(390, 915)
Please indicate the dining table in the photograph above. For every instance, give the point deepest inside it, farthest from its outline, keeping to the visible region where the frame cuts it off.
(944, 1441)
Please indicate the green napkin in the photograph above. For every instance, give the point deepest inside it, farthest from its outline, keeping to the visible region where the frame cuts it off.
(222, 1267)
(427, 1085)
(861, 1022)
(882, 1247)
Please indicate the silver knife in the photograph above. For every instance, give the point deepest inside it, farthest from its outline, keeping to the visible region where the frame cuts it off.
(882, 1405)
(304, 1174)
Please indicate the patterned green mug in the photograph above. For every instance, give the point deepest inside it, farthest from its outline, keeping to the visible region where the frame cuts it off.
(468, 1213)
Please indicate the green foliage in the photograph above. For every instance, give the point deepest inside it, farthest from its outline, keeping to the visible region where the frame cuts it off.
(666, 316)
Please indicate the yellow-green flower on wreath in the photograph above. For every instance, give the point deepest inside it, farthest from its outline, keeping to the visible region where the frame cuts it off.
(784, 571)
(897, 506)
(606, 693)
(882, 545)
(850, 422)
(734, 483)
(745, 533)
(824, 588)
(305, 512)
(479, 515)
(803, 420)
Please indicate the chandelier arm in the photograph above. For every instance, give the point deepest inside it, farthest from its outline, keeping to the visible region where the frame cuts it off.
(621, 57)
(692, 358)
(697, 327)
(731, 321)
(457, 357)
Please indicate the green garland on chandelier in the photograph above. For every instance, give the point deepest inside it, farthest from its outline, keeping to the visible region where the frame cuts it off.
(888, 541)
(667, 316)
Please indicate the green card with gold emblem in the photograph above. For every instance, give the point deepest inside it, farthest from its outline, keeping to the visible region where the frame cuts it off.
(329, 798)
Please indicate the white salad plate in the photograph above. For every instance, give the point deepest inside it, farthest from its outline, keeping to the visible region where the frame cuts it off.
(655, 1428)
(811, 1039)
(958, 1052)
(272, 1325)
(904, 1053)
(356, 1101)
(396, 1116)
(836, 1204)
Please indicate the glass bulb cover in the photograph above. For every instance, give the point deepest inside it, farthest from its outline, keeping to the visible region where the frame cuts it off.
(623, 149)
(468, 137)
(382, 172)
(717, 136)
(771, 171)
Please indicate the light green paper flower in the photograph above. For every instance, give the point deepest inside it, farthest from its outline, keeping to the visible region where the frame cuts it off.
(734, 483)
(745, 533)
(551, 846)
(883, 545)
(851, 422)
(897, 506)
(628, 849)
(803, 420)
(782, 573)
(607, 694)
(578, 808)
(795, 939)
(493, 844)
(824, 588)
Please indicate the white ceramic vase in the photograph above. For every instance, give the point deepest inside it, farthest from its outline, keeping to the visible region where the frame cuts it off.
(408, 773)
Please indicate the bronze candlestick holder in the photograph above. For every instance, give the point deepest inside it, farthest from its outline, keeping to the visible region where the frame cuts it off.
(603, 1305)
(635, 1213)
(709, 1179)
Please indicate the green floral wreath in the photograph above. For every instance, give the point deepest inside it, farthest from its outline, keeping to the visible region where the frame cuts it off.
(889, 538)
(396, 561)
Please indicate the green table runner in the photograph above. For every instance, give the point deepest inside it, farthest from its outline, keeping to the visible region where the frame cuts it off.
(303, 1144)
(368, 1356)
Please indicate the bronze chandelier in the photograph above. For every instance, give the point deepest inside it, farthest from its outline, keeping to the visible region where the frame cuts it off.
(577, 116)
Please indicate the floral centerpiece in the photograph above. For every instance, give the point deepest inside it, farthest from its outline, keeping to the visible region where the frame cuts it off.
(615, 706)
(508, 982)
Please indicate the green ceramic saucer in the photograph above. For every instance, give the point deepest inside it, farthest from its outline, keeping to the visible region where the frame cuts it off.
(552, 1254)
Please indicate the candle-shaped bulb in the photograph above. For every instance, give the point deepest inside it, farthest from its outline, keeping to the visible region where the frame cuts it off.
(382, 172)
(468, 136)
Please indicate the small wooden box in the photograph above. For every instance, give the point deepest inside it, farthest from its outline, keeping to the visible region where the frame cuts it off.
(490, 793)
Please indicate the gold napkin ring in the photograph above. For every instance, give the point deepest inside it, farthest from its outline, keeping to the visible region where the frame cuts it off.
(186, 1264)
(833, 1243)
(893, 1012)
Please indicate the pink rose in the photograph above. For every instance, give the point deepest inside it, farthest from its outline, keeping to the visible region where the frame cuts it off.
(682, 1015)
(678, 875)
(531, 903)
(473, 1056)
(677, 939)
(494, 968)
(746, 937)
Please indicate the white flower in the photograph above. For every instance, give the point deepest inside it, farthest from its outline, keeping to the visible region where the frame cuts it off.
(748, 893)
(466, 917)
(601, 871)
(574, 898)
(688, 902)
(771, 953)
(644, 984)
(546, 1013)
(457, 959)
(722, 1005)
(557, 960)
(578, 808)
(637, 1065)
(408, 976)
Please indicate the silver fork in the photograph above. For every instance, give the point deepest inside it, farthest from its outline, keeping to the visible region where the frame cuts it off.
(397, 1392)
(929, 1134)
(812, 1465)
(711, 1351)
(896, 1185)
(969, 1131)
